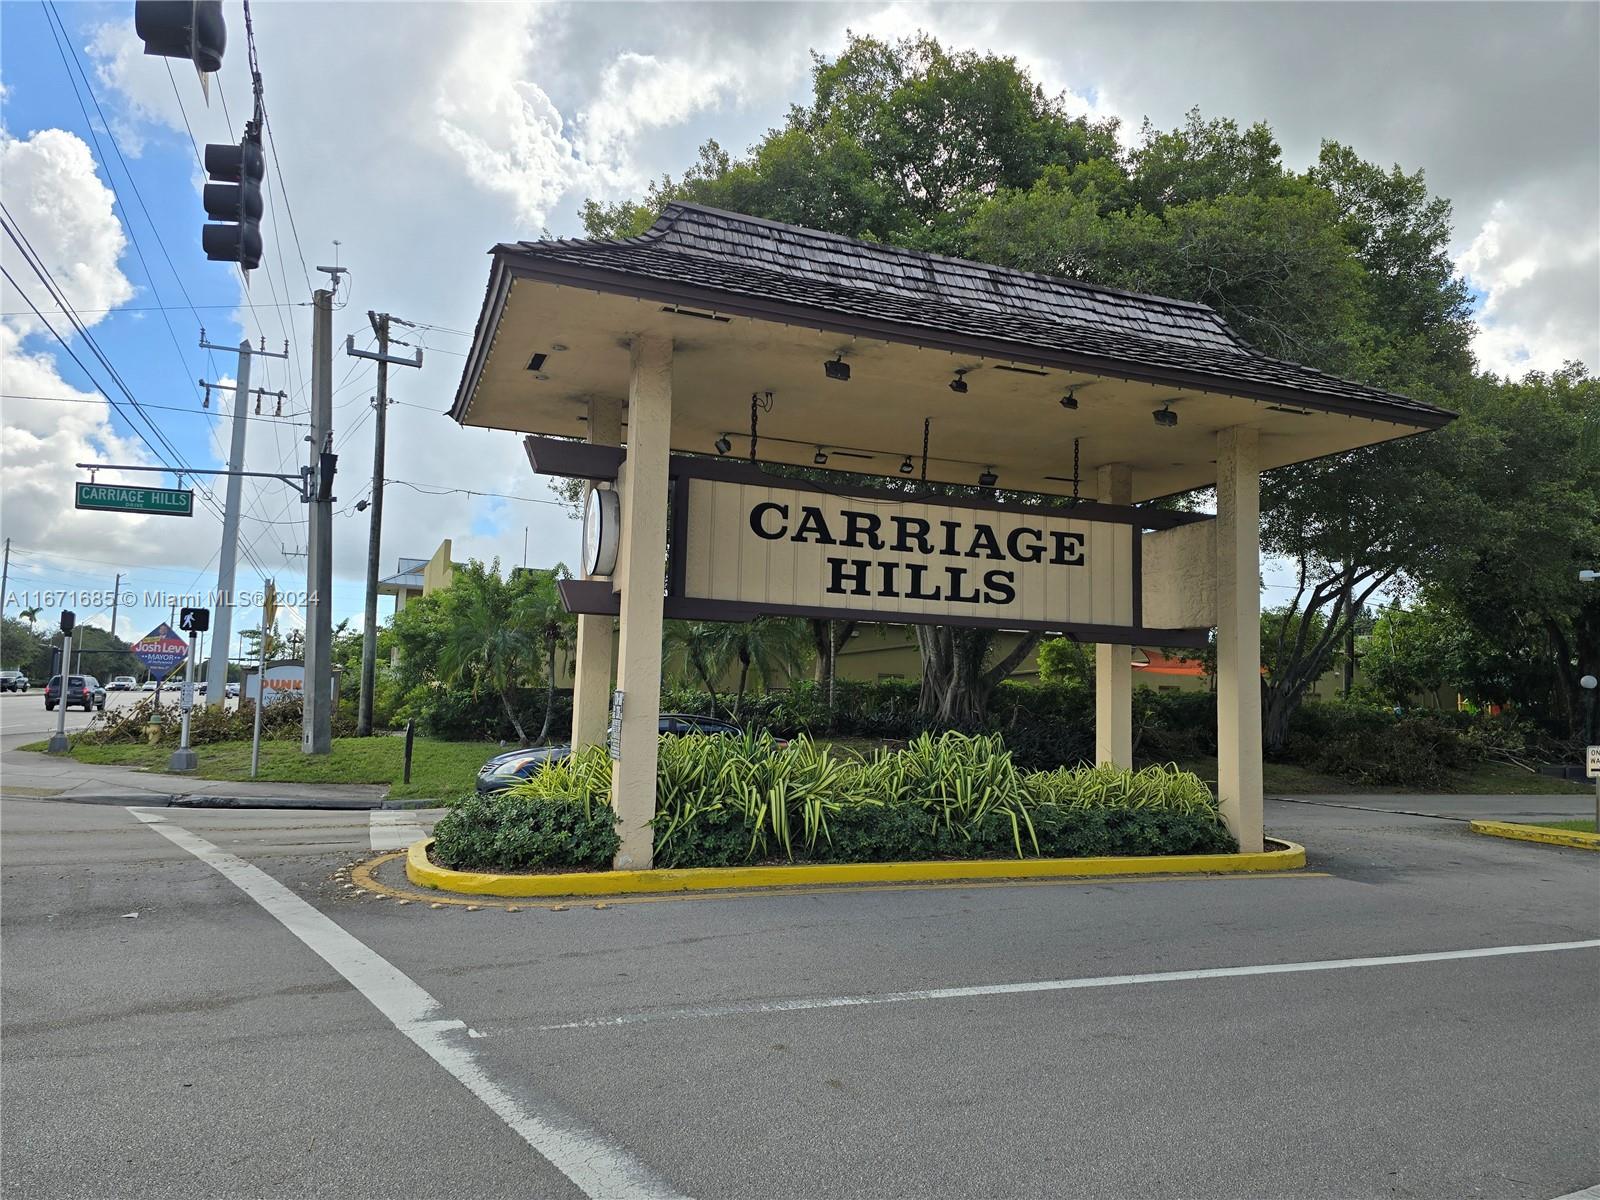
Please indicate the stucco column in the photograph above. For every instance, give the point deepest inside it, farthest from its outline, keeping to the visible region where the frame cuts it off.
(591, 684)
(1113, 665)
(1239, 633)
(641, 574)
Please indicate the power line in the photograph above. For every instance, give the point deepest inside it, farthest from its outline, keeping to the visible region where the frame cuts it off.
(189, 412)
(439, 490)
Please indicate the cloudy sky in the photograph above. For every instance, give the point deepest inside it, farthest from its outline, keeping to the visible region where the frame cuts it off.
(411, 137)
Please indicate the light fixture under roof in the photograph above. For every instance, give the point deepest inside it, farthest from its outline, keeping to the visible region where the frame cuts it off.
(988, 478)
(1165, 417)
(907, 466)
(958, 385)
(1070, 400)
(722, 444)
(837, 368)
(820, 457)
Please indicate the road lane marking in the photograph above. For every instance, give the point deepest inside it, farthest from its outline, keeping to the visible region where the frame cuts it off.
(743, 1008)
(392, 830)
(598, 1166)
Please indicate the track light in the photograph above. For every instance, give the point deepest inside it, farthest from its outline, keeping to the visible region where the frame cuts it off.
(958, 385)
(1070, 400)
(820, 457)
(906, 465)
(722, 444)
(988, 478)
(837, 368)
(1165, 417)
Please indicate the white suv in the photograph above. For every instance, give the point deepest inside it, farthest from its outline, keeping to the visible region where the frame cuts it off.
(122, 683)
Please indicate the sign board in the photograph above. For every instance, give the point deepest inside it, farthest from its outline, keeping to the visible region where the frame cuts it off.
(804, 551)
(113, 497)
(284, 679)
(1591, 763)
(614, 731)
(162, 651)
(186, 697)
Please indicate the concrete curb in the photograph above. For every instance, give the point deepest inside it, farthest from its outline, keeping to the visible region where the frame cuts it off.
(423, 872)
(200, 800)
(1534, 833)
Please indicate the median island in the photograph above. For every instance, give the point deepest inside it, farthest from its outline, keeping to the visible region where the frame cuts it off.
(728, 802)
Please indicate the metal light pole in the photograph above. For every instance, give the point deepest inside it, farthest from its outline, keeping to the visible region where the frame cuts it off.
(1588, 684)
(58, 740)
(183, 758)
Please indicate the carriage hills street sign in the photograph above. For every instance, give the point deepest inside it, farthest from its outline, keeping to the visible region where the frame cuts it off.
(110, 497)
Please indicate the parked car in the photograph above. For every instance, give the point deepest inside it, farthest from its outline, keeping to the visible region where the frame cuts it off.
(511, 768)
(13, 681)
(232, 691)
(149, 685)
(83, 691)
(122, 683)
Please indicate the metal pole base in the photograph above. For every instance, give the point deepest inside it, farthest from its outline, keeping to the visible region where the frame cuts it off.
(58, 744)
(183, 760)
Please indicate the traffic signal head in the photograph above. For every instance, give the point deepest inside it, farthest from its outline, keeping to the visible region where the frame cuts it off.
(233, 199)
(192, 29)
(68, 620)
(194, 620)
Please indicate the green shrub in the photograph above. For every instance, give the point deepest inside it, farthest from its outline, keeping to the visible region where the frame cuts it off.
(1370, 745)
(722, 801)
(519, 830)
(280, 720)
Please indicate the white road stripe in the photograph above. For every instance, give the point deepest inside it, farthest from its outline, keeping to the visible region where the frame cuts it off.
(598, 1167)
(393, 830)
(1061, 985)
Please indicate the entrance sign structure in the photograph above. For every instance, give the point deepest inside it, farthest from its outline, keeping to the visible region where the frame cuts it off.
(641, 362)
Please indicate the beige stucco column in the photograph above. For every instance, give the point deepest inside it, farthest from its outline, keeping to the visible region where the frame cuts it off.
(1239, 633)
(591, 684)
(1113, 665)
(641, 573)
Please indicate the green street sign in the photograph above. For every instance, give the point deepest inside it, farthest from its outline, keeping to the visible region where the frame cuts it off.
(112, 497)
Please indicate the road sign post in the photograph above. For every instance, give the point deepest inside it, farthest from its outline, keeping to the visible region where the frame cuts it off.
(193, 621)
(58, 740)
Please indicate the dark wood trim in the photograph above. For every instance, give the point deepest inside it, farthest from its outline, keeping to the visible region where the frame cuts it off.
(572, 460)
(494, 301)
(1138, 576)
(761, 309)
(581, 460)
(594, 597)
(678, 547)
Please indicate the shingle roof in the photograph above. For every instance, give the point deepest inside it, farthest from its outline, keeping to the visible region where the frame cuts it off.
(708, 250)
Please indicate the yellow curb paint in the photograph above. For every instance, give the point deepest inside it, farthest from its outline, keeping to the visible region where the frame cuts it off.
(367, 873)
(1534, 833)
(422, 871)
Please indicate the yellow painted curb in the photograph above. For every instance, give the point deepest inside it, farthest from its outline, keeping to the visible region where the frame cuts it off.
(422, 871)
(1534, 833)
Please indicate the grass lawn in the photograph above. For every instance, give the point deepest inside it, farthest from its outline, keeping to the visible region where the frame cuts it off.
(439, 770)
(1566, 826)
(1488, 779)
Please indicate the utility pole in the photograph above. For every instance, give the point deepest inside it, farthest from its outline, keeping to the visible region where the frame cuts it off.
(369, 639)
(316, 728)
(227, 560)
(116, 594)
(5, 575)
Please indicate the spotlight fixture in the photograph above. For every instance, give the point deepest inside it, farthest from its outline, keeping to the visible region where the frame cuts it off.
(988, 478)
(958, 385)
(1070, 400)
(906, 465)
(1165, 417)
(820, 457)
(722, 444)
(837, 368)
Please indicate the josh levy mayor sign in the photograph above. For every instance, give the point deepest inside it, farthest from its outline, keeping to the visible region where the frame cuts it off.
(804, 550)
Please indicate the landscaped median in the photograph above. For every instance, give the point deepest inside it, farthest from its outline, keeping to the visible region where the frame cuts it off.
(1551, 835)
(748, 812)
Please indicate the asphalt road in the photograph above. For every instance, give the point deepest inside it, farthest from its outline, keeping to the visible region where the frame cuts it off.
(166, 1034)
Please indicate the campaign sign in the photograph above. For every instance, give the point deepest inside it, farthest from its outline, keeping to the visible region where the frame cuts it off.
(162, 650)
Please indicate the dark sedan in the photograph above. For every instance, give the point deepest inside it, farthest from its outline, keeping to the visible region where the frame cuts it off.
(511, 768)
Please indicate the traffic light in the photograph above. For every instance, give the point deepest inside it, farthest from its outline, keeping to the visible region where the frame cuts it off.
(327, 464)
(233, 198)
(68, 620)
(192, 29)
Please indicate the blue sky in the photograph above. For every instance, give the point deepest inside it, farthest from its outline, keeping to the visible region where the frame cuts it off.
(419, 138)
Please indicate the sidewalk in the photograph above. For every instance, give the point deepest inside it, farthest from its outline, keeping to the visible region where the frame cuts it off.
(25, 773)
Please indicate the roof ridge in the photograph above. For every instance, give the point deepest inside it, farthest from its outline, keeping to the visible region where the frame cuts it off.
(664, 225)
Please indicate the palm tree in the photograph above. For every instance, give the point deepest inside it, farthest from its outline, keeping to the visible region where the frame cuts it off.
(486, 641)
(703, 647)
(768, 646)
(30, 615)
(542, 612)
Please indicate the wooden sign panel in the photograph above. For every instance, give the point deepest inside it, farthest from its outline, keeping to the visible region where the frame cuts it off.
(792, 550)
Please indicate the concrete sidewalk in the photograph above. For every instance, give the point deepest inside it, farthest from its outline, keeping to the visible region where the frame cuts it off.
(25, 773)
